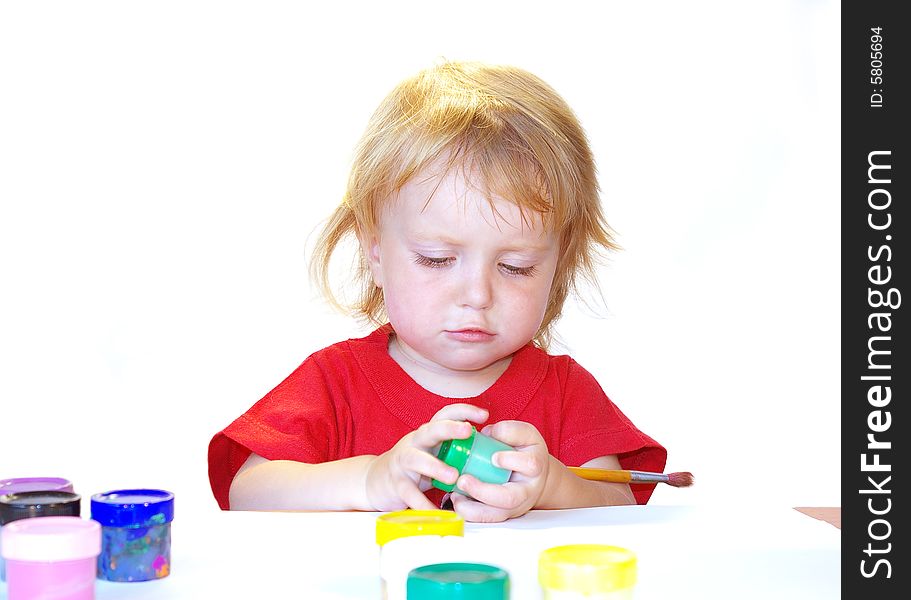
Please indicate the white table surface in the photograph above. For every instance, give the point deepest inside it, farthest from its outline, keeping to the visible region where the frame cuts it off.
(683, 552)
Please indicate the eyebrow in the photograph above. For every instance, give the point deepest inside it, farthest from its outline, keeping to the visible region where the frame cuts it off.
(421, 238)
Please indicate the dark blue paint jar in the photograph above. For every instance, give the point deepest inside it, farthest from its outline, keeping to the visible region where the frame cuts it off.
(135, 534)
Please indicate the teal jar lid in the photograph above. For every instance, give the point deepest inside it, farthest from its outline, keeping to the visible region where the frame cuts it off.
(454, 453)
(458, 581)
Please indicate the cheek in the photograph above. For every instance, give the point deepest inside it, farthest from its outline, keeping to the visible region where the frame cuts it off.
(533, 306)
(407, 298)
(397, 308)
(531, 302)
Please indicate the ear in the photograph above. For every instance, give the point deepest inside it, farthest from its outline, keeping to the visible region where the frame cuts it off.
(370, 248)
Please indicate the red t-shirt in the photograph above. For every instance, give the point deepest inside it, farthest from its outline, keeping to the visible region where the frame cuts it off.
(352, 398)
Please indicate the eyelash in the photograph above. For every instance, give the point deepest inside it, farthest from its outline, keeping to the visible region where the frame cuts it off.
(433, 263)
(436, 263)
(520, 271)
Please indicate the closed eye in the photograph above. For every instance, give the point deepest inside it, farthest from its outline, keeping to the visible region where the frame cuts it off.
(522, 271)
(436, 263)
(431, 262)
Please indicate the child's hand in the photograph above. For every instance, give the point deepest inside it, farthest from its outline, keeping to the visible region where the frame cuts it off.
(396, 479)
(529, 463)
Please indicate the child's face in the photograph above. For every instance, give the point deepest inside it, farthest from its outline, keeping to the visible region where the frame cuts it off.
(463, 288)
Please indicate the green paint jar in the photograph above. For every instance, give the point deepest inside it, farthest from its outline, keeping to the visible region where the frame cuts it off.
(458, 581)
(473, 456)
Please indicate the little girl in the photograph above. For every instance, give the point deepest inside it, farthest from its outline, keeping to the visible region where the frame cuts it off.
(474, 199)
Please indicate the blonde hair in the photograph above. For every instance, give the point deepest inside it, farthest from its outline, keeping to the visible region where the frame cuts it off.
(501, 123)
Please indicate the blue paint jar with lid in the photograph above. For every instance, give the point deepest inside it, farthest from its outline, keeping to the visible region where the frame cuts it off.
(135, 534)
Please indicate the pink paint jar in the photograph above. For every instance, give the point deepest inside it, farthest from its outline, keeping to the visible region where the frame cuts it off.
(52, 558)
(29, 505)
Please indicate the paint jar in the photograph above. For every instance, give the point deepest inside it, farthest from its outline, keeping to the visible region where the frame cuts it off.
(35, 484)
(402, 555)
(51, 558)
(587, 572)
(135, 532)
(402, 524)
(29, 505)
(458, 581)
(473, 456)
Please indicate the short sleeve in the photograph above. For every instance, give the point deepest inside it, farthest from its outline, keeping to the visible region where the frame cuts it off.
(296, 421)
(593, 426)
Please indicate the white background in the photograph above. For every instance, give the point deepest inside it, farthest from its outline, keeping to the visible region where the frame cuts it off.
(164, 168)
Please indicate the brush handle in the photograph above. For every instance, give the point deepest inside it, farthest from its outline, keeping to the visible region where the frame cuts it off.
(618, 476)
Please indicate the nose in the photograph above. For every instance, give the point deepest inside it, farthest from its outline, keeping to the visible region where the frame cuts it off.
(476, 289)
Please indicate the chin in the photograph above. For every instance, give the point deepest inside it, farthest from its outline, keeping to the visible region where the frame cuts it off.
(469, 363)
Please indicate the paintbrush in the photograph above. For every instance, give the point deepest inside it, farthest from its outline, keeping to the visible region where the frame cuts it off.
(617, 476)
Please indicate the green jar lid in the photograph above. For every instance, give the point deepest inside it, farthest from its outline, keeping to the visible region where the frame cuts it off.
(454, 453)
(458, 581)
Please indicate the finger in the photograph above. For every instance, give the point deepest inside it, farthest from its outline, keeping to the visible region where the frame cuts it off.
(415, 499)
(506, 495)
(433, 433)
(526, 463)
(462, 412)
(474, 511)
(419, 462)
(514, 433)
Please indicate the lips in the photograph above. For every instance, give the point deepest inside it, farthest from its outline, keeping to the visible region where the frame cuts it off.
(470, 334)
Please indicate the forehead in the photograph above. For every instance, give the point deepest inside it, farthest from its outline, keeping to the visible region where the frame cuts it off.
(455, 198)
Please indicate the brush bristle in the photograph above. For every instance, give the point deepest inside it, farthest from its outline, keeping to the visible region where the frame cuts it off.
(680, 479)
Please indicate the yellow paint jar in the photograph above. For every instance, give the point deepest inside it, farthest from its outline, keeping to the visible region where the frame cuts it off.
(587, 572)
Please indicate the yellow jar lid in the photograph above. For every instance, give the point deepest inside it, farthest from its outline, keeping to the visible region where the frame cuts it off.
(405, 523)
(587, 568)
